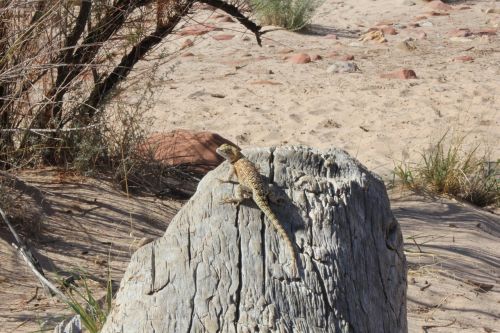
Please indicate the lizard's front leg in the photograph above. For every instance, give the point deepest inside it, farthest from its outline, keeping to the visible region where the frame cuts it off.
(242, 193)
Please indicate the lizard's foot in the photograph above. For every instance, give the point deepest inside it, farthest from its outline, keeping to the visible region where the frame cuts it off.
(229, 200)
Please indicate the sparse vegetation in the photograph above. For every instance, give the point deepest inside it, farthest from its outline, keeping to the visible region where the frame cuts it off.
(83, 302)
(290, 14)
(450, 168)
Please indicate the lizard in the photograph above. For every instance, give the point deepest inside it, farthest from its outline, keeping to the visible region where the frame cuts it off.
(252, 185)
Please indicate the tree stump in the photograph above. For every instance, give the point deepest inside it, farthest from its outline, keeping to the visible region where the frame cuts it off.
(222, 268)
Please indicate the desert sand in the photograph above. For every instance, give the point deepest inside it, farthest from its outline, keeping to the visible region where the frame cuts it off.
(255, 96)
(266, 100)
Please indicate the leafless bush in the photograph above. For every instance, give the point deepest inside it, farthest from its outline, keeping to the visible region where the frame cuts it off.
(61, 61)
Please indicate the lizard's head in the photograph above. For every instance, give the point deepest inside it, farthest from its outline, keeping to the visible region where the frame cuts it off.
(229, 152)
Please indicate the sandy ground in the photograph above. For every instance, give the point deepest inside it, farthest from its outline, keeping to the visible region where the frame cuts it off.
(377, 120)
(253, 96)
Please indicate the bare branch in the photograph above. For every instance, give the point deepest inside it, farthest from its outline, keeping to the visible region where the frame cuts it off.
(236, 13)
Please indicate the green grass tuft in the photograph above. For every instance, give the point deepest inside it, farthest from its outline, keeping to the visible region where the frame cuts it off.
(93, 312)
(451, 169)
(289, 14)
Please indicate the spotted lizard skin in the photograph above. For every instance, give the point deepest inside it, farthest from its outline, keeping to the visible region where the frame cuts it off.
(252, 185)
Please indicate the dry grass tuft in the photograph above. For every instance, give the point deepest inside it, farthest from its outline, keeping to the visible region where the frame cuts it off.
(450, 168)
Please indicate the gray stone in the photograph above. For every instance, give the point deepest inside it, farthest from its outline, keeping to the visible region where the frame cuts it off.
(342, 67)
(221, 268)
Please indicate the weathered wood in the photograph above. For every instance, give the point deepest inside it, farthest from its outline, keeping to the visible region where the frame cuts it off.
(219, 268)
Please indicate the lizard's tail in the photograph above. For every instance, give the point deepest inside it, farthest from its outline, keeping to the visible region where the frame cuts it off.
(264, 206)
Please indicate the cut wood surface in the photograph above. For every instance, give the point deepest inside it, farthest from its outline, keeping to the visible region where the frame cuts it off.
(222, 268)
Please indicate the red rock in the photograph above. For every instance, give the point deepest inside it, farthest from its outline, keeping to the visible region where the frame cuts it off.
(223, 37)
(486, 32)
(197, 30)
(403, 74)
(347, 57)
(460, 32)
(433, 13)
(331, 36)
(388, 30)
(187, 54)
(226, 19)
(439, 5)
(187, 43)
(463, 59)
(316, 57)
(299, 58)
(464, 7)
(190, 149)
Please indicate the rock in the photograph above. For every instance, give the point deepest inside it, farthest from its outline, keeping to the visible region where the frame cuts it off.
(223, 37)
(197, 30)
(403, 74)
(346, 57)
(399, 26)
(408, 3)
(464, 58)
(420, 18)
(316, 57)
(375, 35)
(413, 25)
(426, 24)
(187, 54)
(299, 58)
(221, 268)
(187, 43)
(342, 67)
(460, 32)
(387, 30)
(194, 151)
(433, 13)
(439, 5)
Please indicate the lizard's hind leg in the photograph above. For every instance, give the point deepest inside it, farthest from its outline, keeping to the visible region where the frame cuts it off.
(242, 193)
